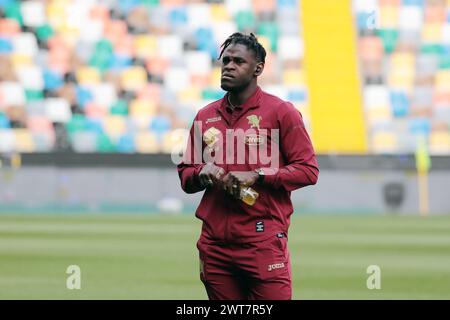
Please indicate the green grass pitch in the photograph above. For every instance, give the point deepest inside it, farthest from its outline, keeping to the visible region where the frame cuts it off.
(154, 256)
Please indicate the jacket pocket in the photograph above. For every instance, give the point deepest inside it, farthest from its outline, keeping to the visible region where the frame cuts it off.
(272, 258)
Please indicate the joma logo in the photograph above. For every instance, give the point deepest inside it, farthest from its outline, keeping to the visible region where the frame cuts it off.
(275, 266)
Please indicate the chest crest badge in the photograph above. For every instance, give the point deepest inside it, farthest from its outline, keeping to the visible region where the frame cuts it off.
(253, 121)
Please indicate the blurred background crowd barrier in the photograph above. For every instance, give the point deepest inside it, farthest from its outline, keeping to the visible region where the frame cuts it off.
(88, 87)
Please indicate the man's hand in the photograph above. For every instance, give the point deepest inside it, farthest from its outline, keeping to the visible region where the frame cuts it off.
(234, 180)
(210, 175)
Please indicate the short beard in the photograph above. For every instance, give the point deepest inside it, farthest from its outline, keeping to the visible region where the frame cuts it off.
(234, 89)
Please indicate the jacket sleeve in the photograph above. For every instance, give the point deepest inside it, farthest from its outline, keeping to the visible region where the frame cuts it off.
(301, 168)
(192, 162)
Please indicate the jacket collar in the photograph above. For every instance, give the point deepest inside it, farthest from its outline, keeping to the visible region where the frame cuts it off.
(252, 102)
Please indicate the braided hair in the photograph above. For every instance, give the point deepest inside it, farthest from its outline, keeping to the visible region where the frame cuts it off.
(250, 41)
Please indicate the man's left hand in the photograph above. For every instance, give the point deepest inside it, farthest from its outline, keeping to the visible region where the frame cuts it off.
(234, 180)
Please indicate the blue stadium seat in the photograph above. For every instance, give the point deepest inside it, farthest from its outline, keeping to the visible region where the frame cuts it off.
(5, 45)
(4, 121)
(400, 104)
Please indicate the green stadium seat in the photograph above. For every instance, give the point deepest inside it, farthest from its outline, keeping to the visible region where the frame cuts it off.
(105, 144)
(269, 30)
(246, 21)
(389, 38)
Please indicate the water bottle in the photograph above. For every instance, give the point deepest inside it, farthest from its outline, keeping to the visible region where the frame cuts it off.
(249, 196)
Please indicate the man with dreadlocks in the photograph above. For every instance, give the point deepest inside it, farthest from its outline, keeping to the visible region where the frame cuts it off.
(243, 245)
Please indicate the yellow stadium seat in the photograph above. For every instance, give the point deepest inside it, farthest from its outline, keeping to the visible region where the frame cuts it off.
(88, 76)
(219, 12)
(443, 79)
(24, 140)
(403, 60)
(439, 142)
(20, 60)
(389, 16)
(142, 107)
(384, 142)
(294, 77)
(265, 42)
(114, 126)
(134, 78)
(379, 114)
(56, 10)
(174, 141)
(403, 81)
(431, 33)
(146, 142)
(215, 77)
(190, 94)
(144, 46)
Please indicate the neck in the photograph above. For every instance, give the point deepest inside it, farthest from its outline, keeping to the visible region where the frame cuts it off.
(237, 98)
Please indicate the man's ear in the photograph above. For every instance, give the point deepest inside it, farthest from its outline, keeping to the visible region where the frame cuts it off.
(259, 69)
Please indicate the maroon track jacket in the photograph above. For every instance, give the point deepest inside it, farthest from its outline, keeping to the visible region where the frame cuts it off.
(233, 141)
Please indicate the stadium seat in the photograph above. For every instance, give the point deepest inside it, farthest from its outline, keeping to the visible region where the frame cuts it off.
(290, 48)
(384, 142)
(190, 94)
(198, 62)
(177, 78)
(4, 122)
(125, 144)
(294, 77)
(431, 33)
(12, 93)
(5, 45)
(219, 12)
(146, 142)
(33, 13)
(170, 47)
(114, 126)
(410, 17)
(142, 107)
(439, 142)
(134, 78)
(245, 21)
(40, 124)
(389, 38)
(88, 76)
(144, 46)
(105, 144)
(376, 96)
(377, 115)
(58, 110)
(9, 27)
(95, 111)
(7, 140)
(23, 140)
(84, 141)
(43, 142)
(388, 16)
(120, 107)
(104, 94)
(30, 77)
(198, 15)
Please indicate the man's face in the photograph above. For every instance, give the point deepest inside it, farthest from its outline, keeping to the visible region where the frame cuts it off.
(239, 68)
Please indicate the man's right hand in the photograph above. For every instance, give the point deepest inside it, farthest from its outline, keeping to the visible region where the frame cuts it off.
(210, 175)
